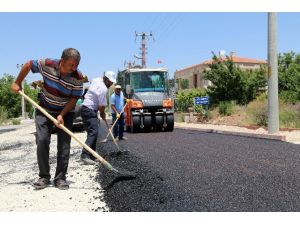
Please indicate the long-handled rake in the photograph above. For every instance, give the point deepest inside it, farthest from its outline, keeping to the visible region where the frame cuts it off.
(112, 127)
(112, 136)
(123, 173)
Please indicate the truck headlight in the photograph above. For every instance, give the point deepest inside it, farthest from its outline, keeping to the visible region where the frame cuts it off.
(167, 103)
(137, 104)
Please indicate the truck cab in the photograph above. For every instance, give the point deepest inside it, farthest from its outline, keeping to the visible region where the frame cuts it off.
(151, 108)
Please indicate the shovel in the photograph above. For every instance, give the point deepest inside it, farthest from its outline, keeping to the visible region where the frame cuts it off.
(95, 154)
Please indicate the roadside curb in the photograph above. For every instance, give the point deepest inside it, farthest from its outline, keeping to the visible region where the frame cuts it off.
(236, 133)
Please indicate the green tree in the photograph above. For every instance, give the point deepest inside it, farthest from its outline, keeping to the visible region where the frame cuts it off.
(289, 76)
(182, 83)
(11, 102)
(230, 83)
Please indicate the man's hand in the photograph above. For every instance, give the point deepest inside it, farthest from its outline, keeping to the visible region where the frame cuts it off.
(118, 116)
(60, 120)
(15, 88)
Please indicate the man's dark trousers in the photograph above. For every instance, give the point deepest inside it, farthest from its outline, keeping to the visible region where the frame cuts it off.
(43, 135)
(119, 127)
(91, 122)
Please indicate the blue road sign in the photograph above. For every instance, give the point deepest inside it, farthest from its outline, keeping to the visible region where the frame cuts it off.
(201, 100)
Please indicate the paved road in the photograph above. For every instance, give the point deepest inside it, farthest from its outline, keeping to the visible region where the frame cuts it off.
(196, 171)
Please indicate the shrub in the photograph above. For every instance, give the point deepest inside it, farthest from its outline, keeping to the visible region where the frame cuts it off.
(289, 119)
(289, 96)
(289, 115)
(179, 117)
(225, 108)
(258, 111)
(203, 114)
(185, 98)
(16, 121)
(3, 114)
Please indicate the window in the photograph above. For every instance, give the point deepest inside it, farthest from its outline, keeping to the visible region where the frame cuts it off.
(148, 81)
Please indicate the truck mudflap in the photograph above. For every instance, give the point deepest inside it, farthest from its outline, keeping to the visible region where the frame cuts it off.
(146, 121)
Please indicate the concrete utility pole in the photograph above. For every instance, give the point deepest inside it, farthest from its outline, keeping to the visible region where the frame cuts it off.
(19, 66)
(143, 35)
(273, 109)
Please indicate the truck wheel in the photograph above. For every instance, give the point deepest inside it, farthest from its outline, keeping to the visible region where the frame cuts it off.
(147, 123)
(128, 129)
(158, 122)
(170, 123)
(135, 126)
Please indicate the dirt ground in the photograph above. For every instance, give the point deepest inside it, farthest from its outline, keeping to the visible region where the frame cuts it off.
(18, 169)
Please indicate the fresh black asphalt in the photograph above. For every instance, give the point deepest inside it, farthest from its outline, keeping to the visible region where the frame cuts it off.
(190, 171)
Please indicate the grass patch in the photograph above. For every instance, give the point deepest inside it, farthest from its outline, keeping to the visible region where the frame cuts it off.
(3, 115)
(16, 121)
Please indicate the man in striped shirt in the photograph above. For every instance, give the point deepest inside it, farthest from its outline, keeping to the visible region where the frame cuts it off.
(63, 85)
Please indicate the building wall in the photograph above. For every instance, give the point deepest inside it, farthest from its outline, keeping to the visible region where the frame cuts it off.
(198, 70)
(189, 75)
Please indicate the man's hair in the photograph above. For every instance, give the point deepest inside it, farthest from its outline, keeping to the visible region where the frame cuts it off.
(71, 53)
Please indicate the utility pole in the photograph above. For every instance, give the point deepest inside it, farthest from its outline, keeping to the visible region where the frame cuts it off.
(143, 35)
(19, 66)
(273, 108)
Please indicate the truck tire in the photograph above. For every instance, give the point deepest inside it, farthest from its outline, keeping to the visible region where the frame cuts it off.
(159, 122)
(128, 129)
(147, 123)
(135, 126)
(170, 123)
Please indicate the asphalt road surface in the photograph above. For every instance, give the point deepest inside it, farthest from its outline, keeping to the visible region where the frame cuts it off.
(197, 171)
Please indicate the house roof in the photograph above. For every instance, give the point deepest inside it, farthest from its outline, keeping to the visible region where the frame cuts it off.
(235, 59)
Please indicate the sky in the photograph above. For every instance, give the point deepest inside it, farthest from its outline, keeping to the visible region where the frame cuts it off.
(107, 40)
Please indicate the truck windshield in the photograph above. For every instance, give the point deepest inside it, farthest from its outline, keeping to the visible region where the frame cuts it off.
(148, 81)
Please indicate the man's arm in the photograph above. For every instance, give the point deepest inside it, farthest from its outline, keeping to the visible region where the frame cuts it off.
(16, 86)
(114, 108)
(68, 107)
(102, 112)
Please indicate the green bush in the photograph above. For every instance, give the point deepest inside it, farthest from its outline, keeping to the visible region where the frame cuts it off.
(16, 121)
(185, 98)
(289, 118)
(179, 117)
(3, 114)
(289, 96)
(225, 108)
(199, 109)
(289, 115)
(203, 114)
(258, 111)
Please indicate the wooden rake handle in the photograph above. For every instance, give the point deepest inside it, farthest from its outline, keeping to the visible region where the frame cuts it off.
(95, 154)
(112, 127)
(112, 136)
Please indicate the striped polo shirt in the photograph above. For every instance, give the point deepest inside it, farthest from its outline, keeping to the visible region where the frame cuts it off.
(57, 90)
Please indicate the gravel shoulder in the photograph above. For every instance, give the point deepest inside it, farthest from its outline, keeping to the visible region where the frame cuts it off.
(18, 169)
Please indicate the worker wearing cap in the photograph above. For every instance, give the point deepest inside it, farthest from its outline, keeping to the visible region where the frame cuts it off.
(117, 103)
(94, 101)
